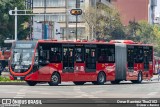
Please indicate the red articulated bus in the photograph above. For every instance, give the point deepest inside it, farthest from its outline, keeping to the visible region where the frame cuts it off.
(97, 62)
(4, 57)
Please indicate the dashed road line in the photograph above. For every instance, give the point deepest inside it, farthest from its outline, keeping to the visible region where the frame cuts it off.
(82, 94)
(21, 93)
(152, 93)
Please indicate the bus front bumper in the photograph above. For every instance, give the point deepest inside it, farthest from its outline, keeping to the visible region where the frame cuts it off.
(29, 77)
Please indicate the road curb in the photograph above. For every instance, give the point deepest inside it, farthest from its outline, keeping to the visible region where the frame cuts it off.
(12, 83)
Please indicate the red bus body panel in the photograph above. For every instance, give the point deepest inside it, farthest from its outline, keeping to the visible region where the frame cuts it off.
(45, 72)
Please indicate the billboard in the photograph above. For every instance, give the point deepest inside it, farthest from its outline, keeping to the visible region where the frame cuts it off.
(46, 31)
(57, 31)
(37, 30)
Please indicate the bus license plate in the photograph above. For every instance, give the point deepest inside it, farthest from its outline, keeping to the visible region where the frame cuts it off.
(17, 67)
(18, 78)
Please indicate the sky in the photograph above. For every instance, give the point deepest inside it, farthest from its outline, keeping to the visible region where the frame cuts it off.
(157, 11)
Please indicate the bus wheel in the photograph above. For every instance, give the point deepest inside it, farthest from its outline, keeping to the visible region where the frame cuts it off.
(101, 79)
(139, 80)
(115, 82)
(31, 83)
(55, 80)
(78, 83)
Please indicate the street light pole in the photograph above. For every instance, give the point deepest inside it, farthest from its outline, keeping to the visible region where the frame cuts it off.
(66, 3)
(76, 21)
(44, 18)
(15, 23)
(29, 5)
(76, 26)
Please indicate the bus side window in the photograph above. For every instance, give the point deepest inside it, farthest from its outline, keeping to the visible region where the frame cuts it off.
(70, 53)
(78, 54)
(55, 55)
(40, 53)
(93, 53)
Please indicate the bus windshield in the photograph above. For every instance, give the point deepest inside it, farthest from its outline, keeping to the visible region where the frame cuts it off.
(22, 56)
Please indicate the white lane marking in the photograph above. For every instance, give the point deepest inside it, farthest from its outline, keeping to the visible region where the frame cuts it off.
(21, 93)
(17, 97)
(152, 93)
(8, 92)
(82, 94)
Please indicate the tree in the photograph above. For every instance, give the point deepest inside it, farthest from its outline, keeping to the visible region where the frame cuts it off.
(156, 32)
(104, 20)
(131, 31)
(7, 21)
(146, 32)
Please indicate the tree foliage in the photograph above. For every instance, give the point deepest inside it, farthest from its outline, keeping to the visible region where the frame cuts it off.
(107, 26)
(144, 32)
(105, 21)
(7, 21)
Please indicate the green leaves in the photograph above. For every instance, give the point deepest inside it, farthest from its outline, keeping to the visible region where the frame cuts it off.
(104, 22)
(7, 21)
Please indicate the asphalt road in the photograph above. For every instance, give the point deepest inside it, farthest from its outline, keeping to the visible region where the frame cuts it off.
(148, 89)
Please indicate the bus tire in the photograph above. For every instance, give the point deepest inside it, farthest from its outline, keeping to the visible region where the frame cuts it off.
(139, 79)
(101, 78)
(115, 82)
(79, 83)
(55, 79)
(31, 83)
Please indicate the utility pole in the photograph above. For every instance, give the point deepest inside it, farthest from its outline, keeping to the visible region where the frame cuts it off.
(66, 4)
(44, 19)
(76, 26)
(76, 20)
(15, 23)
(76, 12)
(29, 5)
(94, 32)
(31, 30)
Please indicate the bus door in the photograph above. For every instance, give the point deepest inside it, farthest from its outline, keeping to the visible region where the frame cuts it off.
(90, 60)
(68, 61)
(44, 56)
(79, 65)
(139, 60)
(148, 60)
(130, 61)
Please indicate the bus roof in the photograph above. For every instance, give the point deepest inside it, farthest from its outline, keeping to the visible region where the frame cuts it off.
(127, 42)
(112, 42)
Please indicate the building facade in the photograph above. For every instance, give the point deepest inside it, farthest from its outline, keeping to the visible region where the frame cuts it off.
(130, 10)
(137, 10)
(60, 10)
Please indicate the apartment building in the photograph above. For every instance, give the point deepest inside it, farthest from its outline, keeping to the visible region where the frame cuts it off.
(60, 10)
(135, 10)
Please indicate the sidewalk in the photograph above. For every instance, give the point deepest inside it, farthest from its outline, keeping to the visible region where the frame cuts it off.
(6, 74)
